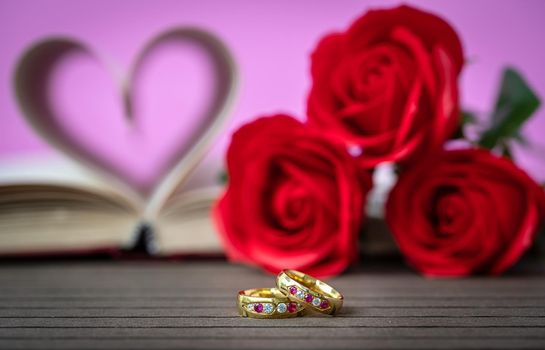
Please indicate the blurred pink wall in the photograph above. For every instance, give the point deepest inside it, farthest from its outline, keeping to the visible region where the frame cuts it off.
(271, 42)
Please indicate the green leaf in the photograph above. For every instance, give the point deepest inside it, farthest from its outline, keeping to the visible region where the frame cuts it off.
(515, 103)
(466, 117)
(223, 177)
(520, 139)
(506, 151)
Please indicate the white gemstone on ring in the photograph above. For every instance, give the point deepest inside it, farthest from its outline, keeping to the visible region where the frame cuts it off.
(316, 302)
(300, 294)
(281, 308)
(268, 308)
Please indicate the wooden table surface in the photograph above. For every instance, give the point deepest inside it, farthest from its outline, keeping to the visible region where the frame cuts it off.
(167, 305)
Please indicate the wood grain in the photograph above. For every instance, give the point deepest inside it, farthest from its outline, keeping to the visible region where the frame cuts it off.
(137, 305)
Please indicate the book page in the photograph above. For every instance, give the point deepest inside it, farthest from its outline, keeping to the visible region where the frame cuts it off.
(47, 219)
(56, 169)
(185, 225)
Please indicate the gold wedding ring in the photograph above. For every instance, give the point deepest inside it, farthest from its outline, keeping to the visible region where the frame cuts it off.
(267, 303)
(309, 291)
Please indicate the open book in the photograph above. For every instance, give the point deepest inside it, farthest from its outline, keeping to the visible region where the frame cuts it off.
(83, 205)
(55, 207)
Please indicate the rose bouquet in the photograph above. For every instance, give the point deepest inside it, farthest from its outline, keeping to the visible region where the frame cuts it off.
(383, 91)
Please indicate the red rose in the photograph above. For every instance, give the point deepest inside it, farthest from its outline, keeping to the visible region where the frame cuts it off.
(464, 211)
(294, 199)
(388, 84)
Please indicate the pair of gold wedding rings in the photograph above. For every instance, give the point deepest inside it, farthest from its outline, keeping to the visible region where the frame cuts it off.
(294, 293)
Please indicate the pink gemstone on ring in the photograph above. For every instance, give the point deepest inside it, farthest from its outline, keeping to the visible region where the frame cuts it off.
(309, 298)
(292, 307)
(258, 308)
(324, 304)
(293, 290)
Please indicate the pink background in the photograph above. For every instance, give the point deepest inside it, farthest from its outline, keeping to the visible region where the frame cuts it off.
(271, 42)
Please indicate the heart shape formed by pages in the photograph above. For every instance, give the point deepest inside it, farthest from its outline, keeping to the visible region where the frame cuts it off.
(145, 130)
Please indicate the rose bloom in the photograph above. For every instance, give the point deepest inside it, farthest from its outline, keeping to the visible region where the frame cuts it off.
(294, 199)
(388, 84)
(465, 211)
